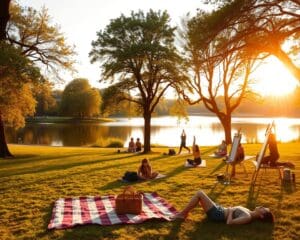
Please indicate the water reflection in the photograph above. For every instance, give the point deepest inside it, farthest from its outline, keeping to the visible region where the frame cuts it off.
(165, 131)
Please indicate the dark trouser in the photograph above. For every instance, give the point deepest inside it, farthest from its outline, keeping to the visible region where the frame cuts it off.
(196, 161)
(270, 160)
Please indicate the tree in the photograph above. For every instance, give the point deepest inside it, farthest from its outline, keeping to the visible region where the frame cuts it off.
(80, 100)
(44, 97)
(33, 38)
(39, 40)
(266, 27)
(222, 82)
(4, 18)
(113, 101)
(16, 97)
(138, 52)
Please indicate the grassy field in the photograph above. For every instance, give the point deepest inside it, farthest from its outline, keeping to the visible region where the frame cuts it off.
(38, 175)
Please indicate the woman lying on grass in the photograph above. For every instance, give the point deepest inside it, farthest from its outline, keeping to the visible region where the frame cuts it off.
(231, 215)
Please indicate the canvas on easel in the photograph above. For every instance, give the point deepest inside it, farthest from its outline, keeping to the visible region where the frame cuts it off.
(262, 152)
(232, 155)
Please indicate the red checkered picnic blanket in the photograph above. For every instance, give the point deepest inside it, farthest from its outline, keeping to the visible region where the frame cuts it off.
(69, 212)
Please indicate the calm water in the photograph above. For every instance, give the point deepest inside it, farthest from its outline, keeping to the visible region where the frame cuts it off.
(165, 131)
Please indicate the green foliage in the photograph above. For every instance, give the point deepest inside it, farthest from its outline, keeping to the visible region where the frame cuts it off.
(138, 53)
(18, 76)
(114, 102)
(79, 99)
(109, 143)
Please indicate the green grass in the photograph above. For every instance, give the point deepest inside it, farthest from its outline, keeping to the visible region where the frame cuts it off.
(31, 182)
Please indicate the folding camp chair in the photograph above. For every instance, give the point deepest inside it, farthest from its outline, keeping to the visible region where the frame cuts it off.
(258, 165)
(231, 159)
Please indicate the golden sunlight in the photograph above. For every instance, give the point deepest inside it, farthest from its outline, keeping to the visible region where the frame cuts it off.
(274, 79)
(284, 130)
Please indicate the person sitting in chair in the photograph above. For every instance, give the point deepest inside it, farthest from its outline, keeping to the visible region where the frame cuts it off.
(240, 155)
(222, 150)
(230, 215)
(272, 158)
(196, 153)
(145, 170)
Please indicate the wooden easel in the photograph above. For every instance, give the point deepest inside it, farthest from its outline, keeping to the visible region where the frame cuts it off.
(232, 156)
(262, 152)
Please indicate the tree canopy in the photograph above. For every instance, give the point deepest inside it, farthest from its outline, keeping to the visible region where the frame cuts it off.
(138, 52)
(263, 26)
(16, 96)
(38, 39)
(79, 99)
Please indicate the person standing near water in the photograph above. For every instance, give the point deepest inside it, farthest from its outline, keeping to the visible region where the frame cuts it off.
(183, 142)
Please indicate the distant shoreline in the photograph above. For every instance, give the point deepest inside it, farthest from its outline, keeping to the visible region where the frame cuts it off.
(52, 119)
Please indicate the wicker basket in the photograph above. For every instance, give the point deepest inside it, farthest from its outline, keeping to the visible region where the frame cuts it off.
(129, 202)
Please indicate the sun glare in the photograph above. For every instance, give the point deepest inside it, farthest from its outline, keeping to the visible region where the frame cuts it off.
(274, 79)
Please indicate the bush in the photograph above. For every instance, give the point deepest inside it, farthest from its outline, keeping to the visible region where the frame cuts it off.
(109, 143)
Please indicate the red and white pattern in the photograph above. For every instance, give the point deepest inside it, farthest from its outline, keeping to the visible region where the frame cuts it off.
(69, 212)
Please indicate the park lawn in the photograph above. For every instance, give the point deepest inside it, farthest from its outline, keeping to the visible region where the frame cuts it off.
(38, 175)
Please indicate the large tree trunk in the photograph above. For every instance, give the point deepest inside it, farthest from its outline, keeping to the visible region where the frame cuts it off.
(4, 18)
(4, 152)
(226, 123)
(147, 132)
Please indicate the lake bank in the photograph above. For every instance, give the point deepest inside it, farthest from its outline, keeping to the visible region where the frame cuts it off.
(46, 119)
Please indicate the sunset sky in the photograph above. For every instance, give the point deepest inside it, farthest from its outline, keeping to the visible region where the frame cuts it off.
(80, 20)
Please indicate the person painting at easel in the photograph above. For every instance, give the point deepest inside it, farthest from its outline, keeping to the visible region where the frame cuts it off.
(272, 158)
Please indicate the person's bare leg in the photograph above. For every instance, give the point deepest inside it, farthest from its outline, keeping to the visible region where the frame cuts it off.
(199, 197)
(188, 149)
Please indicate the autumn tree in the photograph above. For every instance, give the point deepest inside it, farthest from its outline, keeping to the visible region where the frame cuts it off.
(38, 39)
(44, 97)
(138, 52)
(16, 97)
(264, 27)
(31, 36)
(79, 99)
(220, 81)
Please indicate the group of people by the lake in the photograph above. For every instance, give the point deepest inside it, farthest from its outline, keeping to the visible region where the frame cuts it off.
(215, 212)
(134, 146)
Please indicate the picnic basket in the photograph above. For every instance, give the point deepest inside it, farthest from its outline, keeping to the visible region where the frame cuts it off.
(129, 202)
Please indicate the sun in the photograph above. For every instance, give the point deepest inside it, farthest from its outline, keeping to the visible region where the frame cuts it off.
(273, 79)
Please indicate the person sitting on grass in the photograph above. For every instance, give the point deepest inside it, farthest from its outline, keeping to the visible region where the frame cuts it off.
(145, 170)
(138, 145)
(196, 153)
(222, 150)
(131, 146)
(272, 158)
(230, 215)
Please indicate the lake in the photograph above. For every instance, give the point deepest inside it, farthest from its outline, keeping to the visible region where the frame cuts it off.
(165, 131)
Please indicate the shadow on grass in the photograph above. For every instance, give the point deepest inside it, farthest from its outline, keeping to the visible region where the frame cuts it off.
(211, 230)
(217, 168)
(65, 166)
(216, 191)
